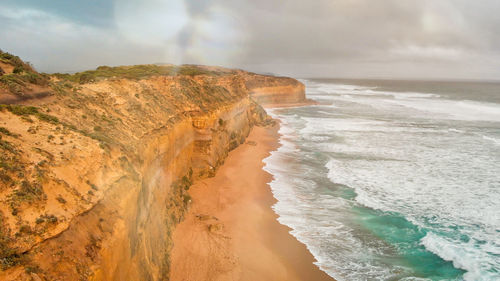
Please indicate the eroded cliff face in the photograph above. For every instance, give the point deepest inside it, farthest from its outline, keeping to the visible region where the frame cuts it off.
(94, 176)
(271, 90)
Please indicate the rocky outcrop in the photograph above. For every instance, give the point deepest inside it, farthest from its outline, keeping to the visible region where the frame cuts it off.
(94, 178)
(271, 90)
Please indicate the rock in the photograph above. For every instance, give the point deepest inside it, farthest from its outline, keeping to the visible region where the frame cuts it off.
(203, 217)
(35, 277)
(215, 227)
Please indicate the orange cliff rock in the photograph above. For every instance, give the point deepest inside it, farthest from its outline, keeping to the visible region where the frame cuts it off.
(271, 90)
(94, 175)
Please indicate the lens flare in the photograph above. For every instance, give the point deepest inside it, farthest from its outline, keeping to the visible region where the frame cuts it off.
(151, 22)
(214, 37)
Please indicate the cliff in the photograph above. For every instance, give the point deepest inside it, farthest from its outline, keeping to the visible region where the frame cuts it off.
(95, 166)
(271, 90)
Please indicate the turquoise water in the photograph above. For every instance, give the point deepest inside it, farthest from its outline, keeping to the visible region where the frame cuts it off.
(393, 182)
(405, 236)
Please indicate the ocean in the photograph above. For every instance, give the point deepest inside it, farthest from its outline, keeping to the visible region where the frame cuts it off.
(393, 180)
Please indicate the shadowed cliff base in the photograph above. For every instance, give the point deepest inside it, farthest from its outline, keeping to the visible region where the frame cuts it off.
(94, 175)
(231, 232)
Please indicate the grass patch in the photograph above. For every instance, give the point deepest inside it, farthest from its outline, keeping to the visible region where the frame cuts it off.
(51, 219)
(13, 83)
(8, 256)
(15, 61)
(5, 178)
(19, 109)
(6, 132)
(22, 110)
(23, 70)
(5, 145)
(93, 186)
(135, 72)
(27, 192)
(23, 73)
(19, 65)
(60, 199)
(47, 118)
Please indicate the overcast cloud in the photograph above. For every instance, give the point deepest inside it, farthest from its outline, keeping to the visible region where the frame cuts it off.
(437, 39)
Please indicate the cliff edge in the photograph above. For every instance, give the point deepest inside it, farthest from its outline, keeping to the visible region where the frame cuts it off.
(95, 166)
(273, 90)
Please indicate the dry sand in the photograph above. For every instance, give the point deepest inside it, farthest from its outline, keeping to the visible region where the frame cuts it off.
(231, 232)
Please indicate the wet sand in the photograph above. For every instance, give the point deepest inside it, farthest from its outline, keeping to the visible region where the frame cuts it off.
(231, 232)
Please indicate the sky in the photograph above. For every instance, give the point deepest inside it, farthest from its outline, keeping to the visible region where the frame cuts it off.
(394, 39)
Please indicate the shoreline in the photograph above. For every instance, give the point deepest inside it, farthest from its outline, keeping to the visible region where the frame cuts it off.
(288, 105)
(231, 232)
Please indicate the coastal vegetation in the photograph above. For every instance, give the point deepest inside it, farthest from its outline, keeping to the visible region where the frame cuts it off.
(19, 75)
(135, 72)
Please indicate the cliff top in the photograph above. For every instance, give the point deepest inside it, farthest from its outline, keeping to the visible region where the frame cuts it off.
(137, 72)
(19, 80)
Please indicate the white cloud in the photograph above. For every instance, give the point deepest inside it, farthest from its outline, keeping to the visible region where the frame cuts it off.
(216, 37)
(295, 37)
(55, 44)
(412, 52)
(152, 22)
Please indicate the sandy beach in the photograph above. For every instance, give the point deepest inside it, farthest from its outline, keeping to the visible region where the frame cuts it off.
(231, 232)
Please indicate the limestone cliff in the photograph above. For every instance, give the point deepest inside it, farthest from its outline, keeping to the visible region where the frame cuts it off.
(94, 173)
(269, 90)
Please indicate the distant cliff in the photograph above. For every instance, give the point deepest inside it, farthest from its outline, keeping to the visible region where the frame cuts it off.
(95, 166)
(269, 90)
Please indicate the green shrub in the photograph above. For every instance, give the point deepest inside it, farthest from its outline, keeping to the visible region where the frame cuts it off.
(15, 61)
(46, 218)
(19, 109)
(135, 72)
(18, 69)
(93, 186)
(13, 83)
(50, 218)
(28, 192)
(10, 259)
(22, 110)
(32, 269)
(104, 68)
(186, 199)
(47, 118)
(5, 178)
(86, 78)
(5, 145)
(5, 55)
(60, 199)
(6, 132)
(35, 78)
(25, 229)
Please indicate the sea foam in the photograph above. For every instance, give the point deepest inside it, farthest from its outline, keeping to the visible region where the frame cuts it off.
(366, 164)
